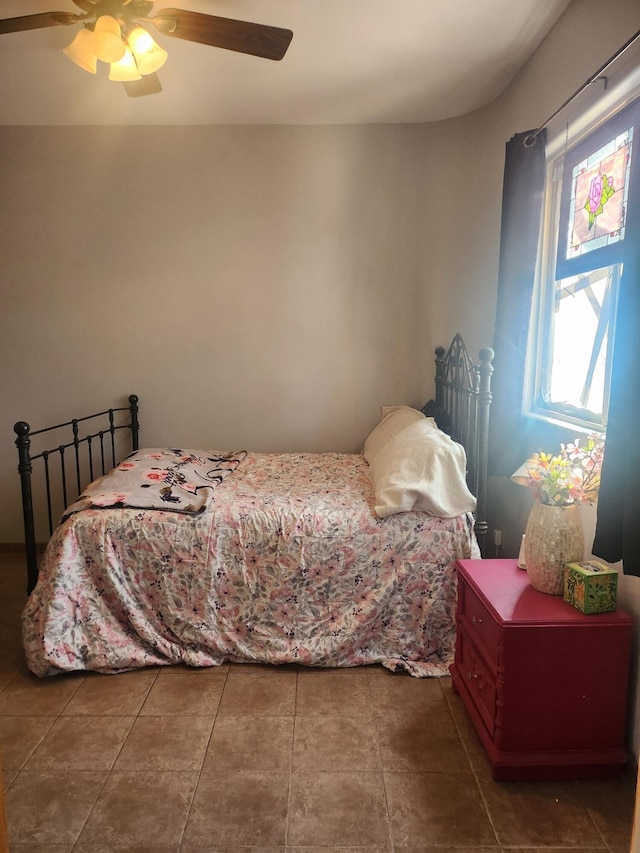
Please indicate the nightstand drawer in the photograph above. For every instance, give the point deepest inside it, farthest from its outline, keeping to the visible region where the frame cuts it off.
(478, 678)
(479, 622)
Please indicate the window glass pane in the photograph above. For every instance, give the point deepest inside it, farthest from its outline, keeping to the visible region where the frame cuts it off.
(591, 216)
(579, 341)
(598, 200)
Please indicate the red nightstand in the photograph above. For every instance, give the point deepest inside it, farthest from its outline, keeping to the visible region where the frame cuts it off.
(545, 685)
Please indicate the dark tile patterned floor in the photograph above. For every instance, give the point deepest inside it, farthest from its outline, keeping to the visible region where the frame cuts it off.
(269, 760)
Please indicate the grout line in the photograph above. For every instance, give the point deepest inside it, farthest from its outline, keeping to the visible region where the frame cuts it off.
(293, 743)
(599, 831)
(108, 772)
(382, 773)
(474, 772)
(204, 757)
(31, 753)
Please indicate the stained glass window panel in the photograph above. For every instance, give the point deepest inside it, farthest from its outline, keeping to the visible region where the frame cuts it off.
(599, 191)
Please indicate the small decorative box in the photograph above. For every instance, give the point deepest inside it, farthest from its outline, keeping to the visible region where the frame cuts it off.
(590, 586)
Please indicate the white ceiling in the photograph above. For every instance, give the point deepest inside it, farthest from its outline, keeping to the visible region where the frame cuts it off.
(350, 61)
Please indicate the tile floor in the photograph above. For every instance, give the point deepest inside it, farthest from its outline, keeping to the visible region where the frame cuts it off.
(274, 760)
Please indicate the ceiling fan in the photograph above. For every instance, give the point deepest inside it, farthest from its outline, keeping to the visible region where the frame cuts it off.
(113, 32)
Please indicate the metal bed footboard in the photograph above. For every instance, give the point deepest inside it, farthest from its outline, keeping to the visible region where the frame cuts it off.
(93, 452)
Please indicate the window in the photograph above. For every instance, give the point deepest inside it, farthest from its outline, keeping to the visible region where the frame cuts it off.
(585, 234)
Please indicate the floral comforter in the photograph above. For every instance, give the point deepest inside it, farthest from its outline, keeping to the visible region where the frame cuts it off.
(289, 563)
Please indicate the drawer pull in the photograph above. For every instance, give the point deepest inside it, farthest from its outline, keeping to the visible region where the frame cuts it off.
(475, 621)
(471, 675)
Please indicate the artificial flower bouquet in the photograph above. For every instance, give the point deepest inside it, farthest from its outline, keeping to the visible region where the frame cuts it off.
(570, 477)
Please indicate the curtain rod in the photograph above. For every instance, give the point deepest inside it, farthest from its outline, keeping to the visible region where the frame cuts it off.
(531, 138)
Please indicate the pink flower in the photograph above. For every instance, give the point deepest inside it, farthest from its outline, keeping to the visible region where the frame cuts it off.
(282, 614)
(595, 193)
(335, 621)
(109, 499)
(157, 475)
(419, 608)
(225, 591)
(237, 633)
(364, 598)
(283, 593)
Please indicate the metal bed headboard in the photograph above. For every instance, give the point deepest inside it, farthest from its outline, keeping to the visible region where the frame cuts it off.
(461, 408)
(100, 443)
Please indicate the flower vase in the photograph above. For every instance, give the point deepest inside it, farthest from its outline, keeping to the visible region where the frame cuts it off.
(554, 536)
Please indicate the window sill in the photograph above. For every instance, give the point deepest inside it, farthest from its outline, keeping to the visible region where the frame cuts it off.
(565, 421)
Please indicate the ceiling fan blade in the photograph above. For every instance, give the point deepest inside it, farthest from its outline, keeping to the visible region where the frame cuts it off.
(36, 22)
(148, 85)
(242, 36)
(86, 5)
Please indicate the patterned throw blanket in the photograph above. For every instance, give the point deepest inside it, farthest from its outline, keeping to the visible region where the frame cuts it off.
(160, 478)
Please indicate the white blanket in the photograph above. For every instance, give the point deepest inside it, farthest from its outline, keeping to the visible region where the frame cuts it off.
(421, 468)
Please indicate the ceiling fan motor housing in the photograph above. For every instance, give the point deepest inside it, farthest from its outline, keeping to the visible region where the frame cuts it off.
(123, 9)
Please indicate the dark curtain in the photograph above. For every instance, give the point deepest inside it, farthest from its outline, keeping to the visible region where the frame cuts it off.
(617, 535)
(513, 437)
(523, 192)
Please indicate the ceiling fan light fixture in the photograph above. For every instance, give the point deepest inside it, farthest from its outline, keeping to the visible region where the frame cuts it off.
(112, 33)
(81, 51)
(125, 70)
(149, 56)
(107, 39)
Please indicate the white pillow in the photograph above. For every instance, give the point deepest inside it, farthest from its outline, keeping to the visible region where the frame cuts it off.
(394, 419)
(421, 468)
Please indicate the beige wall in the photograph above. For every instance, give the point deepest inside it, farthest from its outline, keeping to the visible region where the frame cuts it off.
(257, 287)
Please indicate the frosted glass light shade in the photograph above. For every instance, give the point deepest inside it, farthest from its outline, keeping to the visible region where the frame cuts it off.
(107, 39)
(81, 51)
(148, 54)
(126, 69)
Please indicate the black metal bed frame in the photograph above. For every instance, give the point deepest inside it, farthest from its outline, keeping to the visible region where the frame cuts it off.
(83, 455)
(461, 408)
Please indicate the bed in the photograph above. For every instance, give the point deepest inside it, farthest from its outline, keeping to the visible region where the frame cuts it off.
(210, 556)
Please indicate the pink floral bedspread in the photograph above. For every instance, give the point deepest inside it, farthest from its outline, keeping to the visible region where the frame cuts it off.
(288, 564)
